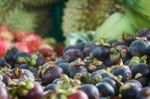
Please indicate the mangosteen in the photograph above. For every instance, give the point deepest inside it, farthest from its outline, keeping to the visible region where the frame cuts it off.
(105, 89)
(124, 72)
(138, 47)
(101, 52)
(72, 54)
(51, 74)
(129, 91)
(3, 93)
(144, 93)
(90, 90)
(142, 69)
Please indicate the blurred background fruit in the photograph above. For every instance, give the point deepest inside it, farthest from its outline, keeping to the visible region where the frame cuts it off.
(86, 15)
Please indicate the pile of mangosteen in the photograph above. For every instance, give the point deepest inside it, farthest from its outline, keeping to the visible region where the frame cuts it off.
(115, 69)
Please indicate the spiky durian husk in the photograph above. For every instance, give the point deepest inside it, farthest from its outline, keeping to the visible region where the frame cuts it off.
(85, 15)
(38, 3)
(5, 6)
(25, 19)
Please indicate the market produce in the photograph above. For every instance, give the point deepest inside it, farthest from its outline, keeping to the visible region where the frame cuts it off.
(129, 91)
(28, 42)
(5, 6)
(144, 93)
(32, 18)
(114, 26)
(25, 18)
(38, 3)
(135, 48)
(86, 15)
(3, 93)
(78, 95)
(93, 70)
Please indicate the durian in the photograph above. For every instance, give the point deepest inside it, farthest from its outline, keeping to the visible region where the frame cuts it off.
(5, 6)
(37, 3)
(26, 19)
(86, 15)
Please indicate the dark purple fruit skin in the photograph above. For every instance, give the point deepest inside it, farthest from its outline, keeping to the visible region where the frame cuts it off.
(6, 79)
(59, 61)
(71, 55)
(40, 61)
(56, 81)
(101, 52)
(103, 75)
(10, 56)
(144, 93)
(3, 93)
(3, 63)
(65, 66)
(88, 48)
(144, 81)
(136, 82)
(23, 66)
(77, 69)
(105, 89)
(91, 91)
(51, 87)
(111, 82)
(138, 48)
(125, 72)
(144, 33)
(148, 52)
(24, 55)
(36, 93)
(140, 68)
(130, 92)
(70, 47)
(108, 62)
(80, 46)
(106, 74)
(51, 74)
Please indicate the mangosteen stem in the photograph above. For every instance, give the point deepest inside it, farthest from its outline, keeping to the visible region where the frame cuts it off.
(102, 41)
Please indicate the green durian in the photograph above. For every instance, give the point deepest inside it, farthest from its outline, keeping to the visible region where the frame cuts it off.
(5, 6)
(25, 19)
(86, 15)
(37, 3)
(114, 26)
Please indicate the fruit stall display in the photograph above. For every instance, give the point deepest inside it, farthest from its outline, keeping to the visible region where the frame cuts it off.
(114, 69)
(28, 42)
(107, 55)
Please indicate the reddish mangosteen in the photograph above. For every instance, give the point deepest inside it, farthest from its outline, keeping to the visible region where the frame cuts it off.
(3, 93)
(78, 95)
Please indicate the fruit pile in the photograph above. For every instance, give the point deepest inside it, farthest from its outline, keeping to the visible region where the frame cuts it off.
(25, 41)
(116, 69)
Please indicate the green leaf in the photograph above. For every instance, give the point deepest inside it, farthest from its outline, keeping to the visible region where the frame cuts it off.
(114, 26)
